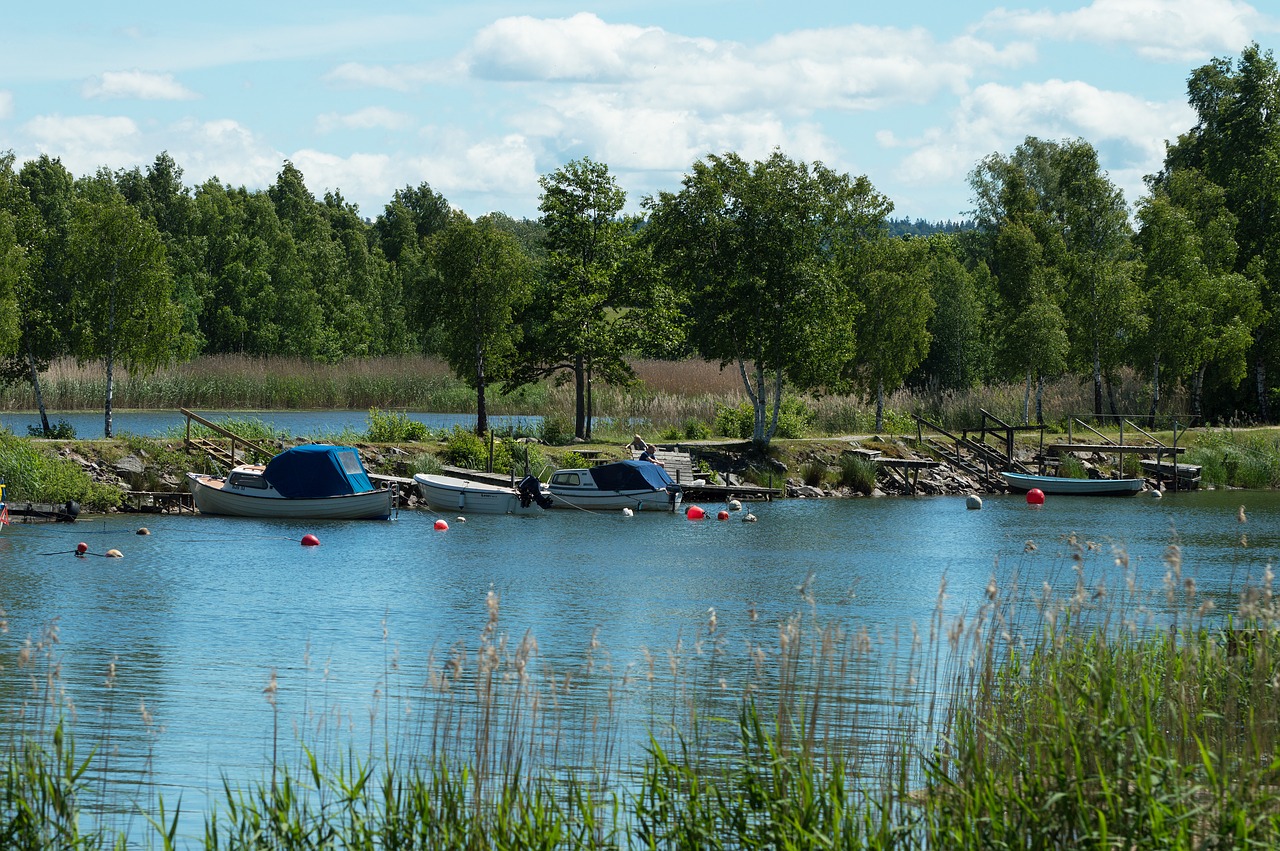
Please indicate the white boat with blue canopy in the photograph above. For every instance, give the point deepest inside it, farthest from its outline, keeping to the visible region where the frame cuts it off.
(314, 481)
(620, 484)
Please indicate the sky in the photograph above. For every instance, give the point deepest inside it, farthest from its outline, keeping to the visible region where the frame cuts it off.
(480, 99)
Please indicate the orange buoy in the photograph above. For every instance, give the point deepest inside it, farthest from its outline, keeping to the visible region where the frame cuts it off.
(82, 548)
(695, 513)
(442, 525)
(310, 541)
(722, 515)
(1035, 496)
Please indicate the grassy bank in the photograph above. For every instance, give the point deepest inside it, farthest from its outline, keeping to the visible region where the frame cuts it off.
(1032, 722)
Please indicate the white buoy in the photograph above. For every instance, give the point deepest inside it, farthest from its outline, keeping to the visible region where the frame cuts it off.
(748, 518)
(627, 512)
(734, 505)
(973, 502)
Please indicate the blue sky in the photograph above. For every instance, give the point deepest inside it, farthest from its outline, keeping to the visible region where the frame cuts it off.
(479, 99)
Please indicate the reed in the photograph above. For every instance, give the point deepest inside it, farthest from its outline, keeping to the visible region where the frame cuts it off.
(1086, 717)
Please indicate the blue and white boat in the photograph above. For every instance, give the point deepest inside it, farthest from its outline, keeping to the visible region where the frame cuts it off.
(314, 482)
(620, 484)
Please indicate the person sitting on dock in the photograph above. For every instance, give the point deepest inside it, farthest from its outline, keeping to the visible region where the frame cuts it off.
(650, 454)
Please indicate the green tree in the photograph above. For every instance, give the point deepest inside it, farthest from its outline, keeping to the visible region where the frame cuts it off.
(160, 196)
(1201, 312)
(758, 249)
(582, 327)
(890, 280)
(1054, 194)
(122, 306)
(959, 353)
(1235, 143)
(41, 203)
(484, 280)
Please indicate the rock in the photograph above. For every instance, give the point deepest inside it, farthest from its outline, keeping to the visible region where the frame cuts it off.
(130, 464)
(809, 492)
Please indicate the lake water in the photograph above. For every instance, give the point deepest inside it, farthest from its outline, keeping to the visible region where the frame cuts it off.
(89, 424)
(198, 614)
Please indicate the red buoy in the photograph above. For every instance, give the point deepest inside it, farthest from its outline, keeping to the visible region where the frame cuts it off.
(310, 541)
(722, 515)
(1035, 496)
(695, 513)
(82, 548)
(441, 525)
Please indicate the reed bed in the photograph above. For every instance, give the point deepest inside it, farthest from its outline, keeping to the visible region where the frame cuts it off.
(1081, 712)
(667, 397)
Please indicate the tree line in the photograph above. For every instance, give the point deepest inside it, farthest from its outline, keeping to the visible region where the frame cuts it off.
(790, 273)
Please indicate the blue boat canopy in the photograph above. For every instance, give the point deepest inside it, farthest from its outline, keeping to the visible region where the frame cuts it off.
(317, 470)
(630, 476)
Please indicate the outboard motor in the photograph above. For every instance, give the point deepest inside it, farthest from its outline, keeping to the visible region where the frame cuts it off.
(673, 492)
(530, 490)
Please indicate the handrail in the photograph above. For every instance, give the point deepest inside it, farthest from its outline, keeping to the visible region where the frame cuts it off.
(235, 438)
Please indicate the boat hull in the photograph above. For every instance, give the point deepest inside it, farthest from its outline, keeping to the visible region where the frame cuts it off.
(1023, 482)
(592, 500)
(446, 493)
(212, 498)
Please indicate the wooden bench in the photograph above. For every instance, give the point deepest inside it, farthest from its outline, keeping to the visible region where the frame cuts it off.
(678, 464)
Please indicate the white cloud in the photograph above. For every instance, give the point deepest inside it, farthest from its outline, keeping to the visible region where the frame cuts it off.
(1162, 30)
(6, 104)
(223, 148)
(996, 118)
(850, 67)
(397, 78)
(139, 85)
(369, 118)
(85, 142)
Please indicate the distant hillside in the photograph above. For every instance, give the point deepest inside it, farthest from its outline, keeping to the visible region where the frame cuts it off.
(903, 227)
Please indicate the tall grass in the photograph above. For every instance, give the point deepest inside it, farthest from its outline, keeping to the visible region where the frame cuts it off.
(665, 396)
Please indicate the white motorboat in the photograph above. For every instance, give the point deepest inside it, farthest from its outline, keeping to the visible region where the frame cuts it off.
(314, 482)
(1023, 482)
(620, 484)
(447, 493)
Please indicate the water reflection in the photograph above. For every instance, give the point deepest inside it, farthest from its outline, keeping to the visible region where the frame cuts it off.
(362, 633)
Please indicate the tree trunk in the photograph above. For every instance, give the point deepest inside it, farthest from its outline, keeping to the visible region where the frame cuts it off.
(1111, 398)
(579, 398)
(1097, 380)
(1155, 392)
(879, 406)
(777, 405)
(1026, 401)
(1197, 391)
(111, 358)
(1039, 397)
(591, 408)
(482, 407)
(1260, 376)
(35, 388)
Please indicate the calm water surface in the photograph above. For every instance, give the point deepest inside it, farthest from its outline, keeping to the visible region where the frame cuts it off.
(200, 612)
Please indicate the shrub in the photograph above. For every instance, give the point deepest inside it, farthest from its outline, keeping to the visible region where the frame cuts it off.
(858, 473)
(61, 430)
(1072, 467)
(556, 429)
(794, 420)
(32, 475)
(813, 472)
(394, 427)
(696, 430)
